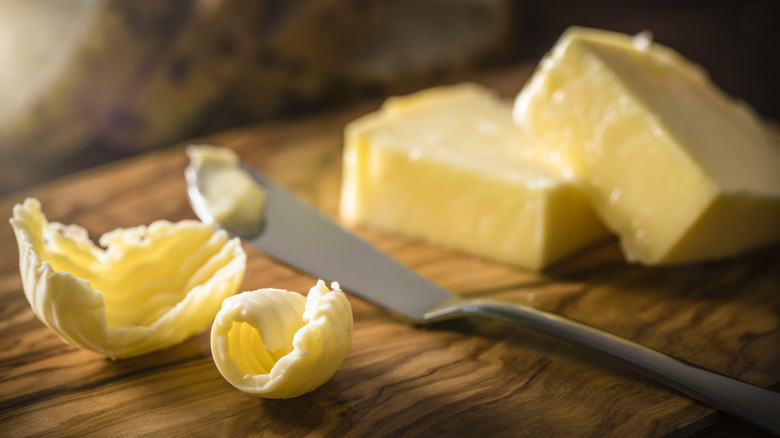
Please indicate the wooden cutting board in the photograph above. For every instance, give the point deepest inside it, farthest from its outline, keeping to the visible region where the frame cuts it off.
(465, 378)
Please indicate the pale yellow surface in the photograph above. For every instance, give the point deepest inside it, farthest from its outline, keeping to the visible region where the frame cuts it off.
(233, 199)
(275, 343)
(677, 169)
(448, 165)
(150, 288)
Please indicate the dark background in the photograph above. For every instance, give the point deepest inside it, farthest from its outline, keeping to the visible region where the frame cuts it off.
(737, 42)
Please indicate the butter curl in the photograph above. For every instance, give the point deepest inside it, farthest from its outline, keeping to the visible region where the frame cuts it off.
(274, 343)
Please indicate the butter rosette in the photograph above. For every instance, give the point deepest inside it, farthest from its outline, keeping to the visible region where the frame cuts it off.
(150, 288)
(274, 343)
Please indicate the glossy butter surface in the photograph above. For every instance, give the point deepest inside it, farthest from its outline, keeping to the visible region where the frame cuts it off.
(677, 169)
(448, 165)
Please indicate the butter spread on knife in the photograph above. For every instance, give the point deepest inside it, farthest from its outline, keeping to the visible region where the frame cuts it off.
(232, 197)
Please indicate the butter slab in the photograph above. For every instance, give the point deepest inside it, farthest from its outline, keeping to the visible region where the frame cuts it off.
(449, 166)
(677, 169)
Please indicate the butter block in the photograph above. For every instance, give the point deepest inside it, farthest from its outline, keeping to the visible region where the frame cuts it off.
(677, 169)
(449, 166)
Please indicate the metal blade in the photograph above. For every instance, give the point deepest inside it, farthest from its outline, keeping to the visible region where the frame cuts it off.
(296, 234)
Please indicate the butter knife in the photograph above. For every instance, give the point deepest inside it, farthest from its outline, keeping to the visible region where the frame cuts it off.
(292, 232)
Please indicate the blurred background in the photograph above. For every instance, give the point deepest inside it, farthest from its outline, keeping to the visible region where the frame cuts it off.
(87, 82)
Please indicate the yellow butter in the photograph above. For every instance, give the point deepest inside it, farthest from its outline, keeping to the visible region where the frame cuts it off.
(678, 170)
(275, 343)
(150, 288)
(232, 198)
(448, 165)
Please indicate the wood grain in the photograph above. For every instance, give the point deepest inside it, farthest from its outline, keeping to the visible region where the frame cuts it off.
(456, 379)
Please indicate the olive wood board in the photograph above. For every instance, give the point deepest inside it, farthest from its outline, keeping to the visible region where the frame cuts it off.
(461, 378)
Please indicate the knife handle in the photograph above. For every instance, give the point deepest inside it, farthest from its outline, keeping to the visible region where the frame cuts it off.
(752, 403)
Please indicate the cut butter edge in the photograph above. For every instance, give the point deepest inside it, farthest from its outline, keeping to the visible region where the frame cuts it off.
(448, 165)
(678, 170)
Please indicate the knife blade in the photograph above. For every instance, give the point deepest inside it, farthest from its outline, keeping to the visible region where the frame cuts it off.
(297, 234)
(293, 232)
